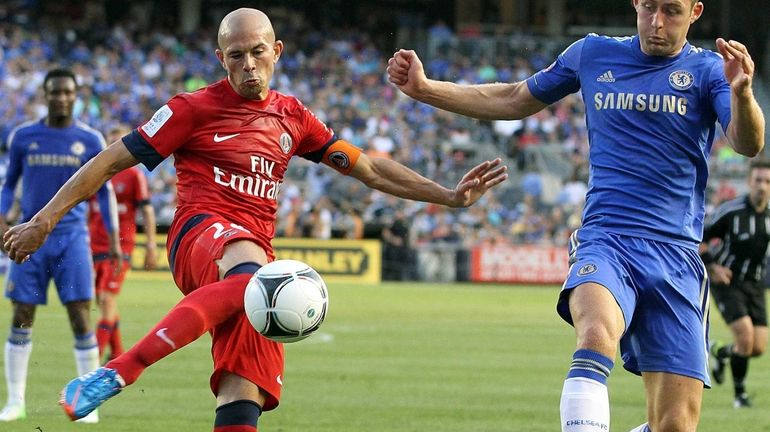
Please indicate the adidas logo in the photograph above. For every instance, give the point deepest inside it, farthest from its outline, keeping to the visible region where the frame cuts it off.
(606, 77)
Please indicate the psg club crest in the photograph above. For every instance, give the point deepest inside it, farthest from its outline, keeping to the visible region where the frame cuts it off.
(285, 142)
(587, 270)
(339, 159)
(680, 80)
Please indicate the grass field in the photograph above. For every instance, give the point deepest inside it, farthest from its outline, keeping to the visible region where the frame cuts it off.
(392, 357)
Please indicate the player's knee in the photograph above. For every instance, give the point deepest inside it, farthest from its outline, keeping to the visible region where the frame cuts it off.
(676, 418)
(597, 336)
(743, 347)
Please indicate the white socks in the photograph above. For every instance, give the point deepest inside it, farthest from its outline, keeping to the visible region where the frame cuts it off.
(585, 406)
(87, 360)
(16, 366)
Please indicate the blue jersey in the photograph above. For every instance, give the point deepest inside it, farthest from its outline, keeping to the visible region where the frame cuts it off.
(651, 122)
(45, 158)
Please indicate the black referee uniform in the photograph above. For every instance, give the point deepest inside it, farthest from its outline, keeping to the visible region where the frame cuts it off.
(745, 237)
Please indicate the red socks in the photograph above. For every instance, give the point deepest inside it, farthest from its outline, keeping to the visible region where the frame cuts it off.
(193, 316)
(108, 333)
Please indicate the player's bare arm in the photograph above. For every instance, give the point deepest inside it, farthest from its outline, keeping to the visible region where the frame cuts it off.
(393, 178)
(497, 101)
(151, 250)
(747, 127)
(24, 239)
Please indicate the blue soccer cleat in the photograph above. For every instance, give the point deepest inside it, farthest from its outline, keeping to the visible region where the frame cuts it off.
(85, 393)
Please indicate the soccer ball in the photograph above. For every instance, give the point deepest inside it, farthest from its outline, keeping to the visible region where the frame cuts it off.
(286, 301)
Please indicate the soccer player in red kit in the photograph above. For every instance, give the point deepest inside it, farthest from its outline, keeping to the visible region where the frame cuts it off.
(132, 193)
(231, 141)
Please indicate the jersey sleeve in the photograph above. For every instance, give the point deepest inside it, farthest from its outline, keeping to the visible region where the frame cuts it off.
(560, 78)
(108, 206)
(315, 138)
(719, 92)
(166, 131)
(15, 158)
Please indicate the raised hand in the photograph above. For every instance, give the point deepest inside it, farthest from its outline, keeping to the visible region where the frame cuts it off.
(406, 72)
(476, 182)
(739, 66)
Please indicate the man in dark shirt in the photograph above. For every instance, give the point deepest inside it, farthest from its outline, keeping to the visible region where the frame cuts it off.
(736, 266)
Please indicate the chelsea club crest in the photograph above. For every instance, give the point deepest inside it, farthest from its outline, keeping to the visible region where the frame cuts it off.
(587, 270)
(680, 80)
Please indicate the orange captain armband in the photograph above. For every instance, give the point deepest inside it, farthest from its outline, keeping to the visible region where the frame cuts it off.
(342, 156)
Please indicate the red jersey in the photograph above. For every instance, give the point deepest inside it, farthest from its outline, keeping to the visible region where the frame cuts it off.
(131, 191)
(230, 152)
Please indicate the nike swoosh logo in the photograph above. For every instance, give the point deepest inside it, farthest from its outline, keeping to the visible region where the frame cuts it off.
(218, 138)
(162, 335)
(279, 380)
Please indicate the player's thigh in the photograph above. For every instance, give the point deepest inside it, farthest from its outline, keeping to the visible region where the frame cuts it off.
(107, 280)
(239, 350)
(598, 274)
(597, 318)
(668, 332)
(743, 335)
(73, 271)
(202, 248)
(673, 401)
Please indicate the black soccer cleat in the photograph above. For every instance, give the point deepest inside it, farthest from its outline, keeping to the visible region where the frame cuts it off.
(742, 401)
(719, 362)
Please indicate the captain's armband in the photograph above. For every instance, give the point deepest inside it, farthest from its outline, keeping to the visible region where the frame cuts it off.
(342, 156)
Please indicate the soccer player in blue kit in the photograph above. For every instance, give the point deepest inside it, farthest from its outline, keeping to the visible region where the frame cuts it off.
(652, 103)
(44, 154)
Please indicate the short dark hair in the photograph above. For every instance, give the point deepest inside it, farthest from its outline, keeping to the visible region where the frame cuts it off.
(759, 163)
(59, 73)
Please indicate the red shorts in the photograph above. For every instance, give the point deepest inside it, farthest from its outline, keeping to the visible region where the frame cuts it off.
(236, 347)
(106, 279)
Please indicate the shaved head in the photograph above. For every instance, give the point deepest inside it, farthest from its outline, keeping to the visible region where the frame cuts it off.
(243, 19)
(248, 51)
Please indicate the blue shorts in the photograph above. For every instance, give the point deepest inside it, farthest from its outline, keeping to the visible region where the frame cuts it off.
(65, 257)
(662, 290)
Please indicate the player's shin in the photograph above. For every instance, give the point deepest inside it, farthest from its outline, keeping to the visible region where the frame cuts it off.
(193, 316)
(86, 353)
(584, 405)
(103, 335)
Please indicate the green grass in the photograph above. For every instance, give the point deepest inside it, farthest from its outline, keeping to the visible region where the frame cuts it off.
(392, 357)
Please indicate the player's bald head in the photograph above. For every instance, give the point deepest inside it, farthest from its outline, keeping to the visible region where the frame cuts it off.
(243, 19)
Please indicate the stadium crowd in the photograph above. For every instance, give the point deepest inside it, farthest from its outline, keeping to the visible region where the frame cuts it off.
(127, 72)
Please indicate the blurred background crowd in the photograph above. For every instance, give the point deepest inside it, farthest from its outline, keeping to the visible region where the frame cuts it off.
(129, 61)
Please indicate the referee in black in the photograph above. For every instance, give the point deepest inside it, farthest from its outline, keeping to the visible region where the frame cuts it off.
(736, 246)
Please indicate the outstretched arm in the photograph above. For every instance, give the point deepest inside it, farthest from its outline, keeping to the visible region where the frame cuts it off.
(498, 101)
(393, 178)
(21, 240)
(746, 132)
